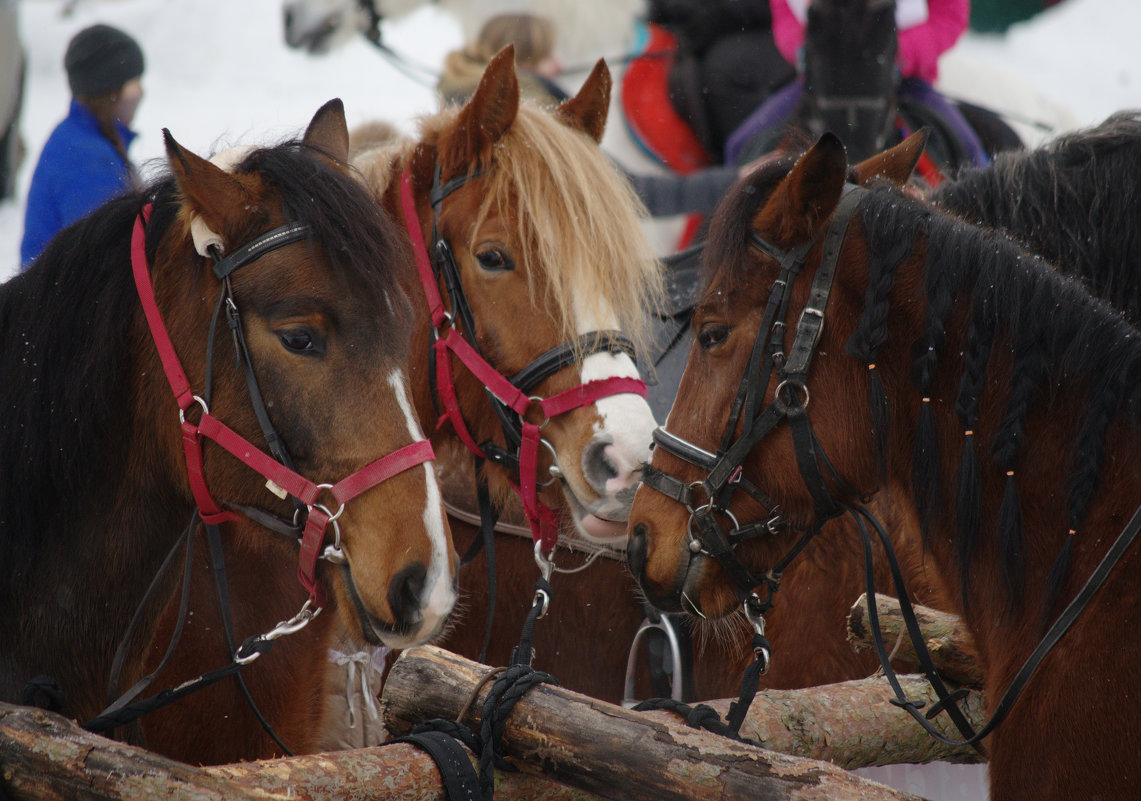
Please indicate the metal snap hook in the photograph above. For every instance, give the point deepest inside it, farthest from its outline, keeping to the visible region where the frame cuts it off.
(545, 563)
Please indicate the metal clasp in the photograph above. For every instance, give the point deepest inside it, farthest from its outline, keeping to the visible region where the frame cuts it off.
(291, 626)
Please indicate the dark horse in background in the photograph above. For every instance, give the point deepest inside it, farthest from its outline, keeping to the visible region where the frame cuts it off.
(94, 485)
(851, 87)
(1002, 406)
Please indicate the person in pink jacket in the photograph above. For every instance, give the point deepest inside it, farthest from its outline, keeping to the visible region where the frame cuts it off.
(926, 31)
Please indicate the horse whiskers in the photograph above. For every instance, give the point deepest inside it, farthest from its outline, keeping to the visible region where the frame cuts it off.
(728, 633)
(693, 608)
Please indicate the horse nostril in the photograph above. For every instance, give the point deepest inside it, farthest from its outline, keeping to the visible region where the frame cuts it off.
(598, 467)
(405, 592)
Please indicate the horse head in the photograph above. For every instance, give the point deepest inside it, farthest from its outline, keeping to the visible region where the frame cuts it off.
(850, 73)
(540, 260)
(325, 382)
(728, 493)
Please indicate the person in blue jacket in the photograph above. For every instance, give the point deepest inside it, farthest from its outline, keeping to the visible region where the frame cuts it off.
(84, 162)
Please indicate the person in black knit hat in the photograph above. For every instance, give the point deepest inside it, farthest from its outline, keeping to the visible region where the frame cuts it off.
(84, 162)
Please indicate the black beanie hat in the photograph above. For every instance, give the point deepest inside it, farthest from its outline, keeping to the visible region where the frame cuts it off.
(100, 59)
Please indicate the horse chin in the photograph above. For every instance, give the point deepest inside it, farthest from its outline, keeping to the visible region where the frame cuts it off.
(368, 627)
(702, 596)
(603, 521)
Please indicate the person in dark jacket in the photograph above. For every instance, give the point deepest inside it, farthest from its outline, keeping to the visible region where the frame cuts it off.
(84, 162)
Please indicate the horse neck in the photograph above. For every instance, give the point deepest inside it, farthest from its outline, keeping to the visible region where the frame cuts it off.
(98, 540)
(1044, 467)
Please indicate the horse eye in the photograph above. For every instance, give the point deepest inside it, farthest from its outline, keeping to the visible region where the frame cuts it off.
(712, 335)
(494, 261)
(298, 340)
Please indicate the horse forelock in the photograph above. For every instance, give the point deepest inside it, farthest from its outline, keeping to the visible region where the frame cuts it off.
(361, 243)
(726, 258)
(579, 216)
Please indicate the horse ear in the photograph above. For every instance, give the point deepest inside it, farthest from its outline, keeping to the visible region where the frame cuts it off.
(588, 109)
(897, 163)
(207, 190)
(491, 109)
(328, 132)
(806, 197)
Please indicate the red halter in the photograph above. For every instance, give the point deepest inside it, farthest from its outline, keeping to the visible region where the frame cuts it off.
(544, 524)
(210, 427)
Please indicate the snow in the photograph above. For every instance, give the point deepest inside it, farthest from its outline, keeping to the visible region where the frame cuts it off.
(218, 72)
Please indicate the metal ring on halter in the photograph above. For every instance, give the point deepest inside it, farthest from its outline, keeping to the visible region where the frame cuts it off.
(324, 508)
(333, 553)
(447, 320)
(536, 402)
(792, 384)
(200, 402)
(693, 538)
(689, 496)
(555, 476)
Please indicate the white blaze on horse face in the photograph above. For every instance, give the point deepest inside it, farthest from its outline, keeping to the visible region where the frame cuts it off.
(441, 595)
(621, 440)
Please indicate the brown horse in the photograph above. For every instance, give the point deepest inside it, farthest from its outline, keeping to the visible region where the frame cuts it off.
(101, 477)
(1001, 409)
(547, 249)
(554, 169)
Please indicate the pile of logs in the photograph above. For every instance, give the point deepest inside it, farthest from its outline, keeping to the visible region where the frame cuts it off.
(568, 747)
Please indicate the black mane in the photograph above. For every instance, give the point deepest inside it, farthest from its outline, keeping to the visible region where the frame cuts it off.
(1076, 202)
(1060, 336)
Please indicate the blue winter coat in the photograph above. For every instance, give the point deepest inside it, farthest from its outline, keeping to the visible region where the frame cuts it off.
(78, 171)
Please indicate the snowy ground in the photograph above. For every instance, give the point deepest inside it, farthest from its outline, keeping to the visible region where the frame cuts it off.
(218, 72)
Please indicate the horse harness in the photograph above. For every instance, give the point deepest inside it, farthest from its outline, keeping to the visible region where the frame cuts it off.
(724, 476)
(510, 396)
(312, 516)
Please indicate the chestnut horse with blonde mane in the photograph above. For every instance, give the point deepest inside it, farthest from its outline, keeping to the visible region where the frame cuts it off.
(130, 417)
(1002, 408)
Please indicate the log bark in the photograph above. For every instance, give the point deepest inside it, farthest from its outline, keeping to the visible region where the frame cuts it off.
(608, 750)
(47, 757)
(852, 724)
(952, 649)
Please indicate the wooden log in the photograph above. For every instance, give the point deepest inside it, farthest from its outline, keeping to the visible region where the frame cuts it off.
(608, 750)
(396, 772)
(49, 758)
(852, 724)
(952, 649)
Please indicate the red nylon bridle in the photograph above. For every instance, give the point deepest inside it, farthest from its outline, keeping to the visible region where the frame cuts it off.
(306, 491)
(542, 519)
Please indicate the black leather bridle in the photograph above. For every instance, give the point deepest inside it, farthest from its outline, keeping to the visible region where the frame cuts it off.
(709, 498)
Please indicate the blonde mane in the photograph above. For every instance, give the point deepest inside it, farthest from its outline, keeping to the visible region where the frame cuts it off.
(577, 212)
